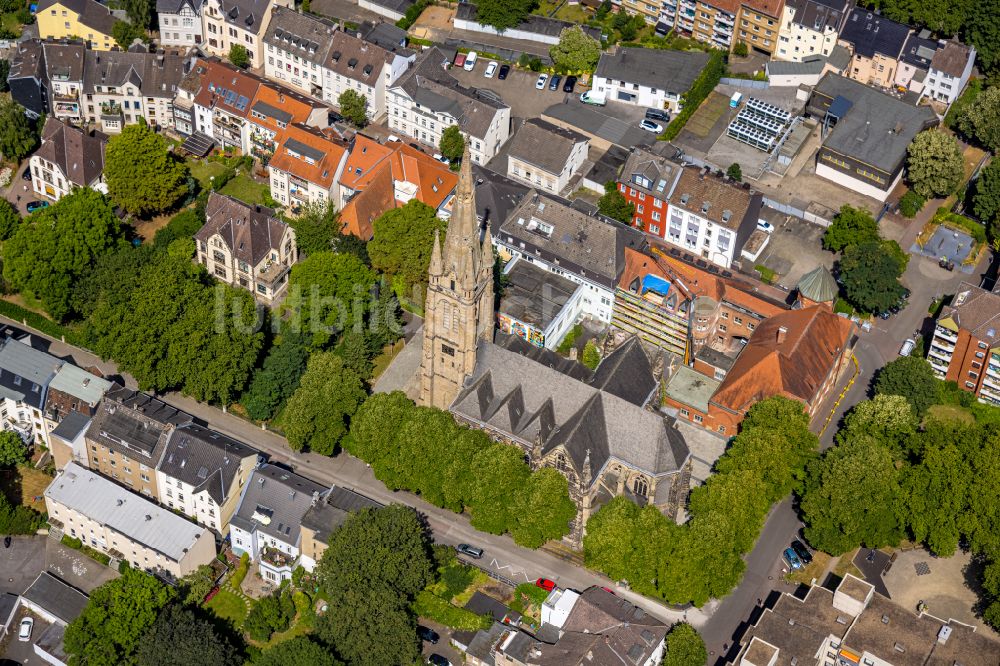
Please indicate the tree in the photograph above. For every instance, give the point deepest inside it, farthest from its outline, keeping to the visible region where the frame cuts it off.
(18, 138)
(938, 491)
(934, 165)
(315, 227)
(354, 107)
(118, 614)
(870, 275)
(887, 417)
(272, 613)
(741, 50)
(375, 565)
(986, 200)
(851, 226)
(452, 145)
(4, 73)
(910, 204)
(111, 279)
(912, 378)
(403, 240)
(735, 172)
(10, 219)
(184, 224)
(12, 449)
(57, 245)
(501, 477)
(684, 646)
(503, 14)
(613, 204)
(981, 120)
(328, 293)
(318, 412)
(576, 51)
(298, 651)
(143, 177)
(239, 56)
(277, 379)
(628, 26)
(982, 30)
(125, 33)
(196, 585)
(140, 12)
(591, 357)
(181, 638)
(542, 510)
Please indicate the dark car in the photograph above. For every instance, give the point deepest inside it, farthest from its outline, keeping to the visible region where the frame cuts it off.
(427, 634)
(658, 114)
(471, 551)
(554, 82)
(884, 315)
(801, 550)
(570, 84)
(334, 117)
(504, 71)
(437, 660)
(6, 541)
(26, 175)
(36, 205)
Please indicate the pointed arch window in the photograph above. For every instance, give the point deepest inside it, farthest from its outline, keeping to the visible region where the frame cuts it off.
(639, 487)
(446, 315)
(561, 463)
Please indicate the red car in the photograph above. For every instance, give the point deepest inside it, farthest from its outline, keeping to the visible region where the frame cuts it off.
(545, 584)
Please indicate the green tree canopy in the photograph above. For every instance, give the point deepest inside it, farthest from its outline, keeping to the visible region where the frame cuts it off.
(298, 651)
(194, 587)
(111, 278)
(10, 220)
(938, 494)
(318, 412)
(870, 273)
(684, 646)
(501, 476)
(981, 120)
(56, 246)
(143, 177)
(140, 12)
(851, 226)
(270, 614)
(888, 417)
(315, 227)
(18, 138)
(125, 33)
(735, 171)
(986, 200)
(934, 164)
(12, 449)
(276, 380)
(354, 107)
(181, 638)
(504, 14)
(982, 30)
(116, 619)
(542, 511)
(452, 144)
(239, 56)
(591, 357)
(576, 51)
(328, 292)
(403, 241)
(912, 378)
(614, 204)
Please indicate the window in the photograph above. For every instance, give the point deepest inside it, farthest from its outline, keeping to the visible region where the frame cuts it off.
(722, 327)
(654, 229)
(448, 350)
(685, 412)
(640, 487)
(698, 418)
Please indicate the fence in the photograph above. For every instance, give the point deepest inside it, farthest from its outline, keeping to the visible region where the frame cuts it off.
(745, 83)
(797, 212)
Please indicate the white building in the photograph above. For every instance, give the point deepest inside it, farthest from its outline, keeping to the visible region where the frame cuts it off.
(546, 156)
(296, 49)
(64, 63)
(391, 9)
(648, 77)
(180, 22)
(355, 64)
(122, 86)
(950, 70)
(230, 22)
(67, 159)
(427, 100)
(268, 523)
(126, 526)
(810, 27)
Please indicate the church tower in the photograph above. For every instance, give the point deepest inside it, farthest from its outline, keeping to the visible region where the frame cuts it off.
(458, 313)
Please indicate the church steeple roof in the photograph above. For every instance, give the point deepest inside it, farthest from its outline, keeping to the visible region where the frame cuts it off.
(462, 251)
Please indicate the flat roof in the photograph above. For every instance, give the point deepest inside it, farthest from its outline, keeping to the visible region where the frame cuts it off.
(534, 295)
(692, 388)
(56, 597)
(79, 383)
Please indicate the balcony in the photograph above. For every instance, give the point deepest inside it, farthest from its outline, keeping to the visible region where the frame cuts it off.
(272, 273)
(276, 559)
(942, 332)
(943, 356)
(723, 30)
(725, 19)
(111, 111)
(943, 343)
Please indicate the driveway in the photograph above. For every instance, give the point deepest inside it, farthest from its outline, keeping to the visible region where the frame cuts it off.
(348, 10)
(517, 90)
(21, 563)
(444, 646)
(22, 652)
(872, 564)
(794, 248)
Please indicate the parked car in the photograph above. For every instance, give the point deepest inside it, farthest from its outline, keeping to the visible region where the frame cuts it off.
(470, 61)
(427, 634)
(437, 660)
(907, 347)
(554, 83)
(24, 633)
(26, 175)
(540, 83)
(947, 265)
(504, 71)
(6, 541)
(459, 60)
(658, 114)
(766, 227)
(650, 126)
(801, 550)
(792, 559)
(36, 205)
(491, 69)
(595, 98)
(441, 158)
(570, 84)
(545, 584)
(471, 551)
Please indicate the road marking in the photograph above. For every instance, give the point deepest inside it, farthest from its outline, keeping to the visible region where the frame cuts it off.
(833, 410)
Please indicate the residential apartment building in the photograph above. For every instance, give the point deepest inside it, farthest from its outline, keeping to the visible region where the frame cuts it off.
(546, 156)
(949, 71)
(646, 180)
(537, 305)
(427, 99)
(82, 19)
(124, 525)
(914, 61)
(714, 21)
(67, 159)
(649, 77)
(272, 111)
(268, 522)
(180, 22)
(810, 27)
(64, 69)
(126, 438)
(297, 46)
(652, 304)
(649, 10)
(25, 374)
(226, 23)
(202, 474)
(584, 249)
(74, 390)
(306, 167)
(364, 67)
(119, 87)
(876, 44)
(965, 348)
(324, 517)
(865, 134)
(213, 99)
(29, 84)
(758, 25)
(246, 246)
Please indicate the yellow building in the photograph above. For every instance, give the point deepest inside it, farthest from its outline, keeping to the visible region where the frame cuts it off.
(88, 20)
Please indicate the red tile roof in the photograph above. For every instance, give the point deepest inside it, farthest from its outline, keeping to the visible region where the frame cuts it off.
(287, 156)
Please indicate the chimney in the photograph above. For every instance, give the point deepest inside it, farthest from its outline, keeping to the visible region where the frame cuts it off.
(782, 333)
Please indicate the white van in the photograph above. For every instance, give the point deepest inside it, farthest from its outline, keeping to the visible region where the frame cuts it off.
(470, 61)
(596, 98)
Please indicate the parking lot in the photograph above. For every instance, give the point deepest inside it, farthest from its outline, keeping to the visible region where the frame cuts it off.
(794, 248)
(21, 563)
(517, 90)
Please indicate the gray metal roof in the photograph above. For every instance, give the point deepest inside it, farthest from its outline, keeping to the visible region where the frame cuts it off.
(534, 295)
(266, 109)
(598, 123)
(545, 145)
(79, 383)
(56, 597)
(125, 512)
(870, 33)
(274, 502)
(330, 513)
(533, 23)
(25, 372)
(810, 65)
(671, 71)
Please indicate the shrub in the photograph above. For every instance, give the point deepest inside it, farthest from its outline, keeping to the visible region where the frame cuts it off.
(412, 14)
(435, 608)
(910, 204)
(741, 50)
(702, 87)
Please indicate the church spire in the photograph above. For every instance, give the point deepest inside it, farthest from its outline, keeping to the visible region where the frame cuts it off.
(462, 237)
(435, 267)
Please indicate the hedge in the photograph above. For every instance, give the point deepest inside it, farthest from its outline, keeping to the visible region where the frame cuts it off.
(955, 221)
(412, 14)
(435, 608)
(700, 90)
(37, 322)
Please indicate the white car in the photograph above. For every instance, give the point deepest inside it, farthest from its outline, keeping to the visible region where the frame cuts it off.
(766, 227)
(24, 633)
(540, 83)
(470, 61)
(650, 126)
(907, 347)
(441, 158)
(491, 69)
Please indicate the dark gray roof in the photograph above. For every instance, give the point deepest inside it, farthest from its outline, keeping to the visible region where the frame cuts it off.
(672, 71)
(28, 61)
(481, 644)
(175, 6)
(545, 145)
(527, 400)
(274, 502)
(330, 513)
(25, 372)
(716, 358)
(266, 109)
(395, 5)
(539, 25)
(598, 123)
(820, 15)
(810, 65)
(482, 604)
(543, 356)
(52, 642)
(496, 196)
(205, 459)
(354, 58)
(305, 35)
(534, 295)
(8, 602)
(878, 127)
(627, 373)
(156, 75)
(64, 61)
(386, 35)
(584, 245)
(56, 597)
(246, 14)
(79, 155)
(251, 232)
(134, 424)
(71, 426)
(658, 170)
(871, 34)
(92, 13)
(918, 51)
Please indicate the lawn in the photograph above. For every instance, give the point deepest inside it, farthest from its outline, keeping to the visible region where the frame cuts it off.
(203, 170)
(246, 189)
(812, 570)
(22, 484)
(383, 360)
(228, 606)
(704, 119)
(950, 413)
(846, 566)
(573, 14)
